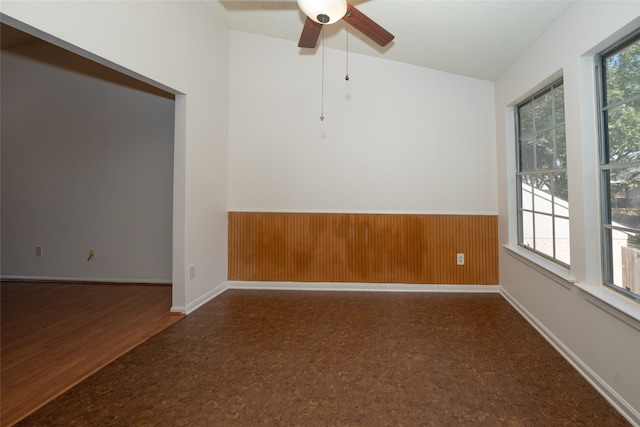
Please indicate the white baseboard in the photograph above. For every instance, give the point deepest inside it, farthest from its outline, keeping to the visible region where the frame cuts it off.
(331, 286)
(84, 279)
(362, 287)
(199, 302)
(621, 405)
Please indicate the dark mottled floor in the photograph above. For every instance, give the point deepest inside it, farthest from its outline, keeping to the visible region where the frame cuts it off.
(279, 358)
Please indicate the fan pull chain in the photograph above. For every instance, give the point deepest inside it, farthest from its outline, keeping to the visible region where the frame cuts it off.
(346, 77)
(322, 84)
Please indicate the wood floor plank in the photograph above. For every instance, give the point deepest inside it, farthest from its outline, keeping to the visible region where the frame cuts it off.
(54, 335)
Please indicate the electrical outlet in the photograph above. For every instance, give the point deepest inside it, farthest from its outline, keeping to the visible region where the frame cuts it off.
(38, 250)
(92, 255)
(460, 259)
(192, 271)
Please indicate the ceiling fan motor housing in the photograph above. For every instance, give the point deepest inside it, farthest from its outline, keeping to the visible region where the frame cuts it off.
(317, 12)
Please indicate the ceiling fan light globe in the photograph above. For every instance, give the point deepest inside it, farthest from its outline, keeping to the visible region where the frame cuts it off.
(320, 9)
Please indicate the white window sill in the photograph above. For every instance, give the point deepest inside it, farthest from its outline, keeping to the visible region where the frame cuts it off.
(614, 303)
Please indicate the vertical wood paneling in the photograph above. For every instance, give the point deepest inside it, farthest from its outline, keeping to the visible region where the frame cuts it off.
(371, 248)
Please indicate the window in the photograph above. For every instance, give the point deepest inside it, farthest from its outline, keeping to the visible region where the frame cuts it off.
(620, 165)
(543, 196)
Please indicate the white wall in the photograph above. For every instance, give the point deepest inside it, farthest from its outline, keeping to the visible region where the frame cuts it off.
(87, 163)
(184, 47)
(603, 342)
(396, 137)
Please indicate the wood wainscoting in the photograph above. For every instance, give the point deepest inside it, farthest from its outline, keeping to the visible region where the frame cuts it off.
(367, 248)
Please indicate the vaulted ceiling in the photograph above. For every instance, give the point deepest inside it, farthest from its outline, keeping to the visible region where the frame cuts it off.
(475, 38)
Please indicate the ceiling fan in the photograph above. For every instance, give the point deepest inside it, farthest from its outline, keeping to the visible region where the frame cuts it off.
(324, 12)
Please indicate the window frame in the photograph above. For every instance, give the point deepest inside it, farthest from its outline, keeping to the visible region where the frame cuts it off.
(520, 173)
(605, 166)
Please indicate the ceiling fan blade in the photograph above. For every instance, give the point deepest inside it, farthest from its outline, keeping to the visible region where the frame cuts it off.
(310, 33)
(367, 26)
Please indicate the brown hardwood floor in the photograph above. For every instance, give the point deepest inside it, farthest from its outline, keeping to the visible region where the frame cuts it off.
(281, 358)
(54, 335)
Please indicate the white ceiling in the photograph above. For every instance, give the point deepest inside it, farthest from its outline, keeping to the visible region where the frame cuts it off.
(476, 38)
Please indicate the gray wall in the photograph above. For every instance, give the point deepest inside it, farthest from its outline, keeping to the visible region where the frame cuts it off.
(87, 163)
